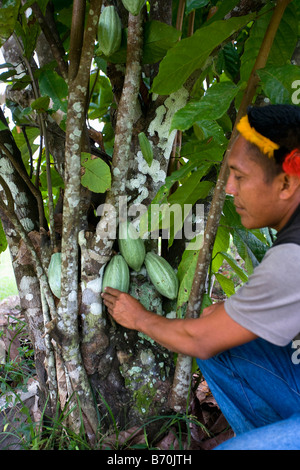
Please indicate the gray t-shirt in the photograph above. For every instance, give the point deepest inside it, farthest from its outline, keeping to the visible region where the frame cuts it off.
(268, 304)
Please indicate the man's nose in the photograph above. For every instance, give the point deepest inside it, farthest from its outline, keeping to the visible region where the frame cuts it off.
(230, 186)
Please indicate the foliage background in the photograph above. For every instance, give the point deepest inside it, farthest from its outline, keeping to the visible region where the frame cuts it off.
(72, 144)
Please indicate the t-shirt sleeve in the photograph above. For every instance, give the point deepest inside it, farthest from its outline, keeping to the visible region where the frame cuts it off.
(268, 304)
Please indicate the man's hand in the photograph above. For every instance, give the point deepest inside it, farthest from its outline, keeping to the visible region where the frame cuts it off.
(202, 337)
(124, 308)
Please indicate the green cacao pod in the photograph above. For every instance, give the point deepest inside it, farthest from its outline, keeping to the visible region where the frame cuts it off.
(109, 31)
(162, 275)
(116, 274)
(54, 274)
(146, 148)
(131, 246)
(133, 6)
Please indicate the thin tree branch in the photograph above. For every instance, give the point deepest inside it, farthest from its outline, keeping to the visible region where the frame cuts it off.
(29, 183)
(52, 38)
(47, 154)
(76, 39)
(125, 117)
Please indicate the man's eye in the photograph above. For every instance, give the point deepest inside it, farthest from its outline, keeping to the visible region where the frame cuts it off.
(236, 177)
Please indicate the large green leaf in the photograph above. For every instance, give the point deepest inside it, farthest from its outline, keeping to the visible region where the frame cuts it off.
(206, 128)
(32, 133)
(191, 53)
(234, 265)
(191, 190)
(158, 38)
(102, 96)
(186, 271)
(54, 86)
(221, 245)
(194, 5)
(97, 176)
(226, 284)
(283, 45)
(211, 106)
(249, 247)
(277, 82)
(8, 16)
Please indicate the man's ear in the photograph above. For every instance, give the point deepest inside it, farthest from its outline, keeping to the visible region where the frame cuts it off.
(290, 185)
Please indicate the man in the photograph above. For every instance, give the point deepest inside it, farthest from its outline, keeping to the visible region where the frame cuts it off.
(244, 346)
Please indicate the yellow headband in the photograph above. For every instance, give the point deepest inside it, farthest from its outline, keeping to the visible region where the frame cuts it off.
(249, 133)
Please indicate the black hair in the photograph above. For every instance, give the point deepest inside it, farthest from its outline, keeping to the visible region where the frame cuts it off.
(281, 124)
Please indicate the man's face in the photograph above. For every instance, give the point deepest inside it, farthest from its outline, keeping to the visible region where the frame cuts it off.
(257, 201)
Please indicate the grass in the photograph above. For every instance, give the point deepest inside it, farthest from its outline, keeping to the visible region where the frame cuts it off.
(8, 284)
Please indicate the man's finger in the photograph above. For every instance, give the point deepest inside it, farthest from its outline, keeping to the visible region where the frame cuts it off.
(111, 291)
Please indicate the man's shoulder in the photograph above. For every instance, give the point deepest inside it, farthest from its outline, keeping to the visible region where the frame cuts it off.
(285, 249)
(281, 261)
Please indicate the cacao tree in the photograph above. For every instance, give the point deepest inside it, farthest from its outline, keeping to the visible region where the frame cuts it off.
(125, 111)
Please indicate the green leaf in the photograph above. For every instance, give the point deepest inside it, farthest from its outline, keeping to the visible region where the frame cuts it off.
(201, 152)
(191, 190)
(188, 193)
(209, 129)
(56, 179)
(277, 82)
(191, 53)
(234, 265)
(283, 45)
(3, 241)
(146, 148)
(186, 271)
(221, 94)
(194, 5)
(221, 245)
(249, 247)
(5, 76)
(97, 176)
(3, 127)
(55, 87)
(229, 61)
(32, 134)
(158, 38)
(102, 96)
(226, 284)
(8, 16)
(223, 9)
(41, 104)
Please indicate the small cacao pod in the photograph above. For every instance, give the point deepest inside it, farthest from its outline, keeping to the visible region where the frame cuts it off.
(133, 6)
(162, 275)
(54, 274)
(146, 148)
(109, 31)
(131, 246)
(116, 274)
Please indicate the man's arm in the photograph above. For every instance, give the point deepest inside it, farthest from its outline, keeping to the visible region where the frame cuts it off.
(203, 337)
